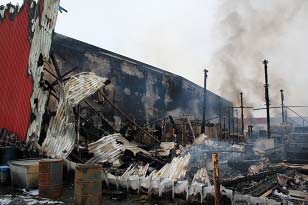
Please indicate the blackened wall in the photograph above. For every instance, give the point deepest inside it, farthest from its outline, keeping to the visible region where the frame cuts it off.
(142, 91)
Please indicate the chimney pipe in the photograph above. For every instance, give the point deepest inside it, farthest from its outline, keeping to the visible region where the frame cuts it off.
(250, 130)
(242, 113)
(267, 100)
(282, 107)
(204, 102)
(229, 126)
(233, 124)
(237, 123)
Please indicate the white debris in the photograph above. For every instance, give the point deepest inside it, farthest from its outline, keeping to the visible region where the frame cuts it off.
(6, 199)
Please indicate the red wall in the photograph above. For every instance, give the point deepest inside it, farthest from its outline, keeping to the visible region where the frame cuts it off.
(15, 84)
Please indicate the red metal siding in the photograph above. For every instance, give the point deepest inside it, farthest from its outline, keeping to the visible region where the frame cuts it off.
(15, 84)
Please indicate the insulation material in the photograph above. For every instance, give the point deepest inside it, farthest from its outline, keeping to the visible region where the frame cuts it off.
(176, 169)
(130, 179)
(164, 179)
(202, 177)
(200, 180)
(164, 149)
(61, 133)
(43, 29)
(110, 148)
(181, 187)
(137, 170)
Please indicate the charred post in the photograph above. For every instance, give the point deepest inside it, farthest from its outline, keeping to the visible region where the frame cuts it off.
(204, 102)
(267, 100)
(216, 178)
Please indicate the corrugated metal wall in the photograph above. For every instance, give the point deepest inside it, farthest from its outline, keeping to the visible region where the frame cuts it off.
(15, 84)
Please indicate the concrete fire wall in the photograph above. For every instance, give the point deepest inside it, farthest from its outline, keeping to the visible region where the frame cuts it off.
(142, 91)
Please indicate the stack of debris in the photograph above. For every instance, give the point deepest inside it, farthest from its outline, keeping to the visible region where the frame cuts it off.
(7, 138)
(110, 148)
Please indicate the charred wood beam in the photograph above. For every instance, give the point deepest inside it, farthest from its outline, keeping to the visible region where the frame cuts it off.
(100, 115)
(216, 178)
(54, 95)
(68, 72)
(156, 121)
(49, 86)
(55, 63)
(266, 185)
(64, 79)
(53, 75)
(191, 129)
(257, 177)
(127, 118)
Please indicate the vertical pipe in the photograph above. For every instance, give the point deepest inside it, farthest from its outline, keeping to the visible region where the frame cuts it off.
(286, 115)
(229, 128)
(204, 102)
(233, 125)
(242, 113)
(237, 123)
(282, 107)
(267, 100)
(78, 126)
(216, 178)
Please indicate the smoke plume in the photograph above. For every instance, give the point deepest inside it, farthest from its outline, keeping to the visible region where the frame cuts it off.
(251, 31)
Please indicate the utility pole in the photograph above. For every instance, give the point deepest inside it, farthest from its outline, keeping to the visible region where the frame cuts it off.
(282, 107)
(204, 102)
(267, 100)
(242, 113)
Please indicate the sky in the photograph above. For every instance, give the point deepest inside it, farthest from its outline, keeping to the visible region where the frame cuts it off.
(229, 38)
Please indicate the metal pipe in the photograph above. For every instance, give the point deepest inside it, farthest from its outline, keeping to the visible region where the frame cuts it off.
(233, 125)
(282, 107)
(216, 178)
(229, 126)
(267, 100)
(204, 102)
(237, 123)
(242, 113)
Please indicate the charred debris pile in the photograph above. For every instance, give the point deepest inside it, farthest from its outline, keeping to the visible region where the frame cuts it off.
(174, 155)
(166, 157)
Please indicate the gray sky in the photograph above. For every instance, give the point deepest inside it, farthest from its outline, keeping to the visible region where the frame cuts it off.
(186, 36)
(174, 35)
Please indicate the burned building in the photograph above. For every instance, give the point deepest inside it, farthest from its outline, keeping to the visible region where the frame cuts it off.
(143, 92)
(55, 90)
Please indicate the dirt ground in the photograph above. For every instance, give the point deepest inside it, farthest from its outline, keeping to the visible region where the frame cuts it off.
(13, 196)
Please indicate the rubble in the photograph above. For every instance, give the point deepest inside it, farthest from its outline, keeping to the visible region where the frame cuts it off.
(166, 157)
(110, 148)
(61, 134)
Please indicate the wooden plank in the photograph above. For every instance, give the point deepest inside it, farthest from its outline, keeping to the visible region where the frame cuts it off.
(298, 195)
